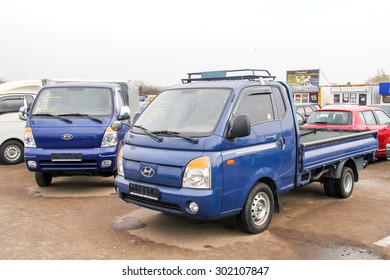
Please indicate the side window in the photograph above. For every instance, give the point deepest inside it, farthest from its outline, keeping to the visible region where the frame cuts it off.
(279, 102)
(382, 118)
(258, 107)
(29, 100)
(368, 117)
(119, 99)
(10, 104)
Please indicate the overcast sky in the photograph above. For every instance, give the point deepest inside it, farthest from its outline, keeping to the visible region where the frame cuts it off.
(159, 41)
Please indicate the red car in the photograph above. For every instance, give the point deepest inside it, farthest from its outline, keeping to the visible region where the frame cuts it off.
(352, 117)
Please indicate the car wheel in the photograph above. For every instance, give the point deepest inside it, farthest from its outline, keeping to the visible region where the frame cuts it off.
(344, 185)
(12, 152)
(258, 209)
(43, 179)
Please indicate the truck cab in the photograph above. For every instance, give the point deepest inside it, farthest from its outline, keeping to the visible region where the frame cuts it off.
(68, 130)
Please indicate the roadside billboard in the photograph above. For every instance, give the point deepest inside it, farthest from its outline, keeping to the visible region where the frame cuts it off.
(304, 80)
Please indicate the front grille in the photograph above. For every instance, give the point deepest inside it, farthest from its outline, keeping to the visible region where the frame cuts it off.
(88, 165)
(142, 200)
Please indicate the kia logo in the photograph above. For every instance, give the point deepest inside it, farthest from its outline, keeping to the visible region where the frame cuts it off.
(147, 171)
(67, 136)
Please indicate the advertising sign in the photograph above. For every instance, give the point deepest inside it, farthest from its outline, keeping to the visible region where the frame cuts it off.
(304, 80)
(384, 88)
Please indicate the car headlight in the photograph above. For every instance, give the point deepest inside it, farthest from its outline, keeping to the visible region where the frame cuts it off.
(198, 174)
(110, 138)
(29, 140)
(119, 166)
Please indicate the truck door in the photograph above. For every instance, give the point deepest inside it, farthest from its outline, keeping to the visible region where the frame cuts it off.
(264, 152)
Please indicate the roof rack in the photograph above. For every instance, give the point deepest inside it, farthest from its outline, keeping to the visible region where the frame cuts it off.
(240, 74)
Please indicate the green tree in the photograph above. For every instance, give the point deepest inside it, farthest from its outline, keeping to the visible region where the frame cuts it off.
(380, 76)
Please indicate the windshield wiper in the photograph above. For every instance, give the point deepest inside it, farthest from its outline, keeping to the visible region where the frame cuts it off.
(81, 115)
(154, 136)
(53, 116)
(177, 134)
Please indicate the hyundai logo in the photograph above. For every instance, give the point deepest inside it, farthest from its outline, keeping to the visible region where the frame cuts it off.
(147, 171)
(67, 136)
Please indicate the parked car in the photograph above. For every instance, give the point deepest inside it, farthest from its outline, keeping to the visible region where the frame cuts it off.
(388, 151)
(384, 107)
(307, 109)
(14, 95)
(301, 119)
(352, 117)
(146, 102)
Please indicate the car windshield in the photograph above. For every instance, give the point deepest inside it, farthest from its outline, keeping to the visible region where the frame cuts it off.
(190, 112)
(68, 101)
(331, 117)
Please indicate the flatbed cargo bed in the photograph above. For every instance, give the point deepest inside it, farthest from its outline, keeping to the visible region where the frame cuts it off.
(324, 147)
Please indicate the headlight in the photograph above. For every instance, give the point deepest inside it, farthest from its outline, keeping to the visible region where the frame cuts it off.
(29, 140)
(119, 167)
(110, 138)
(198, 174)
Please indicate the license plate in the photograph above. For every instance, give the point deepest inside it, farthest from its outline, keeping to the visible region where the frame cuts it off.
(144, 191)
(67, 157)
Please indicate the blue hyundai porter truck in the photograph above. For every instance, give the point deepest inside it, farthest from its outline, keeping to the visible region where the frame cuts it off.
(68, 129)
(227, 143)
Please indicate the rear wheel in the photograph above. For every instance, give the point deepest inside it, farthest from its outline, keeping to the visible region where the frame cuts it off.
(344, 186)
(258, 209)
(329, 187)
(11, 152)
(43, 179)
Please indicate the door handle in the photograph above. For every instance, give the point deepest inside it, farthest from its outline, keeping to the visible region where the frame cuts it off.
(281, 143)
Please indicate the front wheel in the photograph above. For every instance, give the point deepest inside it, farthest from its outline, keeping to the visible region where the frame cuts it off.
(43, 179)
(258, 210)
(344, 186)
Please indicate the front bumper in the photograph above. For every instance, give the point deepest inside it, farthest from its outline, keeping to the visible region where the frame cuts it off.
(174, 200)
(92, 160)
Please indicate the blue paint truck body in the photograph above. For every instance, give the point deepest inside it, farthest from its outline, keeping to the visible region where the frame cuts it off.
(68, 129)
(219, 145)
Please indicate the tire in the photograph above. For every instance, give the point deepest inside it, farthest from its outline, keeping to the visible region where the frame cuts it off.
(344, 186)
(12, 152)
(329, 187)
(258, 210)
(43, 179)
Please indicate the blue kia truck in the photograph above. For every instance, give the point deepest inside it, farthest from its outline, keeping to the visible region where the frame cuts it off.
(227, 143)
(68, 129)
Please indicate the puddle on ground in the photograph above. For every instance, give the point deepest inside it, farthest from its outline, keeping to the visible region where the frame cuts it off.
(129, 223)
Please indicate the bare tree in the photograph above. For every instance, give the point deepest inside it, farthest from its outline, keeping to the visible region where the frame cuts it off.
(148, 90)
(380, 76)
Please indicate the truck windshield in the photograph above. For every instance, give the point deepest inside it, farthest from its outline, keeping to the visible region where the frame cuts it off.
(76, 102)
(188, 112)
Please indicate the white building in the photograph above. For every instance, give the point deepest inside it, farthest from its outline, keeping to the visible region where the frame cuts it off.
(364, 94)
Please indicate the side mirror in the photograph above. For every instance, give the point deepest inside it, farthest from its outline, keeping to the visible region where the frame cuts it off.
(116, 125)
(241, 127)
(124, 113)
(23, 113)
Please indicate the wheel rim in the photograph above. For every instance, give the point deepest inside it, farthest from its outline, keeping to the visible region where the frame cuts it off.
(348, 182)
(260, 208)
(12, 153)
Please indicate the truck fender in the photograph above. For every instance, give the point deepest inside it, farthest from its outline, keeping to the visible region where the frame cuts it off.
(354, 163)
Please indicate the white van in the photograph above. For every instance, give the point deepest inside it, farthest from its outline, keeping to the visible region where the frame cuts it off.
(14, 95)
